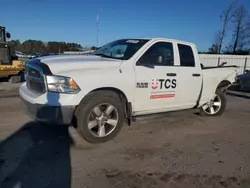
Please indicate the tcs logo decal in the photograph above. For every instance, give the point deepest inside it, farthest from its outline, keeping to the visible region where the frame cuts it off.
(155, 83)
(163, 83)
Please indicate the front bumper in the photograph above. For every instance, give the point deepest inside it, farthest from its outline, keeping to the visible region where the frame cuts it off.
(49, 114)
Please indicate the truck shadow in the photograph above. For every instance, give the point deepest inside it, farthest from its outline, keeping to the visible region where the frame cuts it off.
(237, 93)
(38, 156)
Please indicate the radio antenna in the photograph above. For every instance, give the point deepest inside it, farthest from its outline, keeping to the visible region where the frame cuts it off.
(97, 29)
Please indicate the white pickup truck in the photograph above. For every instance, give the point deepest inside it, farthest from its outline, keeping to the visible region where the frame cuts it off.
(126, 79)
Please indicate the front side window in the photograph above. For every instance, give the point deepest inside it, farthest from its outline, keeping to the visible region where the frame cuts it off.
(122, 49)
(159, 54)
(186, 55)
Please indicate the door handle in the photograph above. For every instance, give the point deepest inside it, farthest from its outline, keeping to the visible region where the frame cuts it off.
(196, 75)
(171, 74)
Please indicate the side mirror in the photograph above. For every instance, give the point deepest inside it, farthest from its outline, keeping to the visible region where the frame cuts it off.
(8, 35)
(247, 71)
(145, 62)
(150, 60)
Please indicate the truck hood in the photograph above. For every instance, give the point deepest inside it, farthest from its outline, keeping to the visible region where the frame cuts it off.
(63, 63)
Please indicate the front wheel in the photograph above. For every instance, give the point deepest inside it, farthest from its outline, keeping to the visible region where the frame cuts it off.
(216, 106)
(100, 116)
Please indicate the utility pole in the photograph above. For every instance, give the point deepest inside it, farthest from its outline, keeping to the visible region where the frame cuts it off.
(97, 30)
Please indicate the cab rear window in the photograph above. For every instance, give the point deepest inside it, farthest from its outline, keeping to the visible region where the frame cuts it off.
(186, 55)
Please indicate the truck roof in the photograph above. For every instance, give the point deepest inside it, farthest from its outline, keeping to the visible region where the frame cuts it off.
(167, 39)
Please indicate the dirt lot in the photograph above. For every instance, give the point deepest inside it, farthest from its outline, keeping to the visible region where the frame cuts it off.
(184, 150)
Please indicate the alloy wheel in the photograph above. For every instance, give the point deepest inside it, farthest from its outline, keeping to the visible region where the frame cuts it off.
(213, 106)
(102, 120)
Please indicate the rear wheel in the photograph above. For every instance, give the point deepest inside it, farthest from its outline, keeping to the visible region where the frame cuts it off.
(100, 116)
(216, 106)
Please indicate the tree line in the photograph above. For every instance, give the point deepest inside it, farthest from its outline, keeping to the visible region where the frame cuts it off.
(235, 26)
(37, 46)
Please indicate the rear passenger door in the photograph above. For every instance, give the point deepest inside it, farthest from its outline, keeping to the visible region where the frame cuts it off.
(190, 76)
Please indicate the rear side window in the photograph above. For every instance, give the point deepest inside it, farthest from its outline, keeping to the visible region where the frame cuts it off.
(186, 55)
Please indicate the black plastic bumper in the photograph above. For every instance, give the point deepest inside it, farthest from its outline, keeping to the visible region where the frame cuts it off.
(49, 114)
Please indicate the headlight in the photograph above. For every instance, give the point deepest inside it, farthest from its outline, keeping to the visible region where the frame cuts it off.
(62, 84)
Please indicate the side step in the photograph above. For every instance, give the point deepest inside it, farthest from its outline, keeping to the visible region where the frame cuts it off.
(160, 115)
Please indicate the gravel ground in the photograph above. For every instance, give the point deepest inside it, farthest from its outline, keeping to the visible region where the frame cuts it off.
(6, 86)
(9, 90)
(183, 150)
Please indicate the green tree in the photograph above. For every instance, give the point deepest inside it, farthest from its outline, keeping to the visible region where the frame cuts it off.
(14, 45)
(31, 46)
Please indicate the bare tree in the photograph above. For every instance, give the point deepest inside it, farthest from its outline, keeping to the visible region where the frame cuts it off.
(214, 49)
(239, 28)
(247, 32)
(226, 17)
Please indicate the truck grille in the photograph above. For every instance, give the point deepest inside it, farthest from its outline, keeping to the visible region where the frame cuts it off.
(35, 86)
(35, 78)
(33, 72)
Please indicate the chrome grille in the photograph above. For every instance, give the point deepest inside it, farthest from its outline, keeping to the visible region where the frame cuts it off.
(35, 79)
(35, 86)
(33, 72)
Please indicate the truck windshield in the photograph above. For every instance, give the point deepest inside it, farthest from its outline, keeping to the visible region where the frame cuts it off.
(122, 49)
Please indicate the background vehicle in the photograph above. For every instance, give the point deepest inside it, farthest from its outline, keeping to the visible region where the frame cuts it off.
(21, 55)
(243, 82)
(147, 77)
(10, 66)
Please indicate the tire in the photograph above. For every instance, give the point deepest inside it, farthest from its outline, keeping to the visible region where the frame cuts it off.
(217, 112)
(85, 110)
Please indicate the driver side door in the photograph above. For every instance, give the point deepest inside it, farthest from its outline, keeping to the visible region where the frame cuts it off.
(156, 80)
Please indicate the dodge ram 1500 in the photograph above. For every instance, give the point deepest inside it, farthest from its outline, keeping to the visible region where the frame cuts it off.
(123, 80)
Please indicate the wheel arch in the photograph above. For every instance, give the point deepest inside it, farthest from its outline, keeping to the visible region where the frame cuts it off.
(116, 90)
(210, 89)
(223, 85)
(127, 105)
